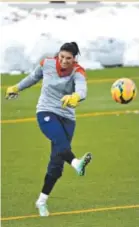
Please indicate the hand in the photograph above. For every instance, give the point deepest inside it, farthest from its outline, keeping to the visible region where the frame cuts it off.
(12, 92)
(71, 100)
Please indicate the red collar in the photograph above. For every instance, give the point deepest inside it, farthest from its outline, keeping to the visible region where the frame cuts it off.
(60, 72)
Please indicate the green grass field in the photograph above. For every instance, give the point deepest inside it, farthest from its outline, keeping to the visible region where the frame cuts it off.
(112, 179)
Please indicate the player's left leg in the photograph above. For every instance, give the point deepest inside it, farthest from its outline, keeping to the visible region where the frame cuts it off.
(78, 164)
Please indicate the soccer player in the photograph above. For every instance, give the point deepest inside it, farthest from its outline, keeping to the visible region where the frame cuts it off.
(63, 87)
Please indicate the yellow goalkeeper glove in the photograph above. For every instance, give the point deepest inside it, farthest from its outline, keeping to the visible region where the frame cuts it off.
(71, 100)
(12, 92)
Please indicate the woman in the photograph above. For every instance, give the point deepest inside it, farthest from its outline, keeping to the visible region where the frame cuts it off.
(63, 87)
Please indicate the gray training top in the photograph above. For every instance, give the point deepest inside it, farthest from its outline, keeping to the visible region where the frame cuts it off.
(56, 84)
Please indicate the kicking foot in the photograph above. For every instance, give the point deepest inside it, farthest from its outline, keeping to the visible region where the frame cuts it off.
(84, 161)
(43, 209)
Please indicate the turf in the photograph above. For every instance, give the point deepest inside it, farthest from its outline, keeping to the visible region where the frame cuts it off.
(112, 178)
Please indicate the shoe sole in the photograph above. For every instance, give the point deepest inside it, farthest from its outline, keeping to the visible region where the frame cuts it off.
(87, 160)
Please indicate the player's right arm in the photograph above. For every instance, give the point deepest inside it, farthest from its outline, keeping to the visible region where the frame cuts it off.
(34, 77)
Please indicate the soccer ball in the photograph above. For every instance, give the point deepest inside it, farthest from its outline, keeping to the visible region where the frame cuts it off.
(123, 90)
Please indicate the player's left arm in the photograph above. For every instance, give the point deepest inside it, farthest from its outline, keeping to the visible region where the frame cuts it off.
(80, 90)
(80, 84)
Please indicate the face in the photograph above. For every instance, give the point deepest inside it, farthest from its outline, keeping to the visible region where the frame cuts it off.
(66, 59)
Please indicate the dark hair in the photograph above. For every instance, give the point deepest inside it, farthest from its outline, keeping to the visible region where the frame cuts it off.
(71, 47)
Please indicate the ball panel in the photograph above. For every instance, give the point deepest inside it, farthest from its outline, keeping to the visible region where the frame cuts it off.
(116, 94)
(123, 101)
(127, 93)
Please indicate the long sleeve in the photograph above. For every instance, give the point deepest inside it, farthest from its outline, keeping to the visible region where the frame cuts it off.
(80, 85)
(35, 76)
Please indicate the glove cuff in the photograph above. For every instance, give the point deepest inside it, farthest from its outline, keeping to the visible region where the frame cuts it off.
(15, 88)
(77, 95)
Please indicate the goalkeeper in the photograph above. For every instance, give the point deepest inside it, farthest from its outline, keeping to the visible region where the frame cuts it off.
(63, 87)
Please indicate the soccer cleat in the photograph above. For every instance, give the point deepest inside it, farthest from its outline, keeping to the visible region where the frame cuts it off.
(84, 161)
(43, 209)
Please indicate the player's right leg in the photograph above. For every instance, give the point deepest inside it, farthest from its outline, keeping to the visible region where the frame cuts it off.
(51, 128)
